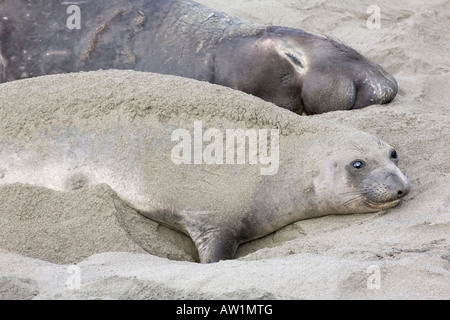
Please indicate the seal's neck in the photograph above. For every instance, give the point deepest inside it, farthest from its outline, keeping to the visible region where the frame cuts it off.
(280, 200)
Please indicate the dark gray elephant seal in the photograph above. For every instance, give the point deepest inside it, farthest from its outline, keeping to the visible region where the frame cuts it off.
(294, 69)
(125, 129)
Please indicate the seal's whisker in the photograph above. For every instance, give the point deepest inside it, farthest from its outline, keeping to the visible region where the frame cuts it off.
(359, 148)
(355, 199)
(349, 201)
(351, 192)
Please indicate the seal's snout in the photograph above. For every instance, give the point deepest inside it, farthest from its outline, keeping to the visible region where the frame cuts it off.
(396, 186)
(403, 188)
(388, 89)
(378, 89)
(387, 192)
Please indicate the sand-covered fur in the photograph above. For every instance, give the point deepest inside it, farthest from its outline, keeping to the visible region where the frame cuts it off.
(75, 135)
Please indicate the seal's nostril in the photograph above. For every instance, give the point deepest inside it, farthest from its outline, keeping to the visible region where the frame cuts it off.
(399, 193)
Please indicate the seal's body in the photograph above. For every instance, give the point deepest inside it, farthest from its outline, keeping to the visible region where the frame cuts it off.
(294, 69)
(66, 133)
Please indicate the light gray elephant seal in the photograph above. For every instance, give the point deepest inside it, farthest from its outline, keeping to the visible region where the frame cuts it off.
(165, 145)
(296, 70)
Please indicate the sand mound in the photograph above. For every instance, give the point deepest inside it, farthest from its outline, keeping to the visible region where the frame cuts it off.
(399, 253)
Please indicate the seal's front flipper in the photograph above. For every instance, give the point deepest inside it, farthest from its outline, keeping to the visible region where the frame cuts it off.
(214, 243)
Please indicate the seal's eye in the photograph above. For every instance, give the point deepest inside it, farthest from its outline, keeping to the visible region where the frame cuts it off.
(394, 154)
(358, 164)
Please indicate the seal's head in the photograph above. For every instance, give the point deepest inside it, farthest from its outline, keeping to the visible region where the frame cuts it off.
(359, 174)
(325, 74)
(341, 78)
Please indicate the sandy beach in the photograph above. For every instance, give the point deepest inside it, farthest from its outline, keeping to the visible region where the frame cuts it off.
(99, 248)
